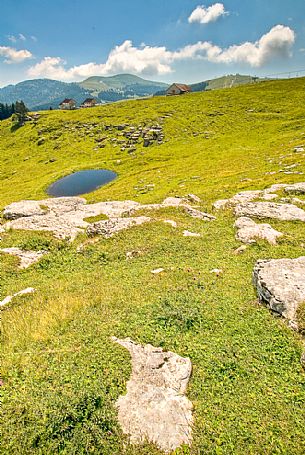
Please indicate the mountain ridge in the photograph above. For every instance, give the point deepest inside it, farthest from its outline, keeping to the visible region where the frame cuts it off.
(42, 94)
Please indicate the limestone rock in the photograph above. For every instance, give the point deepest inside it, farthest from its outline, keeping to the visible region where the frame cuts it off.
(22, 209)
(155, 406)
(248, 231)
(190, 234)
(157, 271)
(110, 227)
(283, 212)
(197, 214)
(9, 298)
(26, 257)
(171, 222)
(280, 284)
(193, 198)
(65, 216)
(297, 188)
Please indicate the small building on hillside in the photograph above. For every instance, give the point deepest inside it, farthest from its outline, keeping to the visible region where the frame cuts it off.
(178, 89)
(68, 103)
(89, 102)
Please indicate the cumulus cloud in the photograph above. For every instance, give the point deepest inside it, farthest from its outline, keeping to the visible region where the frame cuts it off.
(205, 15)
(12, 55)
(149, 60)
(123, 58)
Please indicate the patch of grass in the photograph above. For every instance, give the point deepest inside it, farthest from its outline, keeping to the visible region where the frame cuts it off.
(94, 219)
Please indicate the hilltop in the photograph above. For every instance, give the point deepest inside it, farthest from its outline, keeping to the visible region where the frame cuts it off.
(41, 94)
(179, 278)
(44, 93)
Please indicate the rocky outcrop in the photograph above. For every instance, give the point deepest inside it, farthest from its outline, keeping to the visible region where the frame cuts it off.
(66, 217)
(249, 231)
(297, 188)
(110, 227)
(280, 284)
(283, 212)
(155, 407)
(268, 194)
(26, 257)
(9, 298)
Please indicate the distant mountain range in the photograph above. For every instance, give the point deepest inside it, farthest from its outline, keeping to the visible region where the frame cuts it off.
(39, 94)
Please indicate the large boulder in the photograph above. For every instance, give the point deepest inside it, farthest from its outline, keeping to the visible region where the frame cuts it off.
(283, 212)
(155, 407)
(248, 231)
(280, 284)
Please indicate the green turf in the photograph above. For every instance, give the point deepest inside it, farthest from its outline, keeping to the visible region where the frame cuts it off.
(62, 374)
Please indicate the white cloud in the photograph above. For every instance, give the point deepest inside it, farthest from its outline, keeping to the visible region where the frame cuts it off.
(205, 15)
(22, 37)
(13, 56)
(148, 60)
(33, 38)
(124, 58)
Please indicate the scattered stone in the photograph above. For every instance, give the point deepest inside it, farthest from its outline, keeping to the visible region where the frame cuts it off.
(193, 198)
(133, 254)
(190, 234)
(217, 272)
(171, 222)
(283, 212)
(249, 231)
(240, 249)
(298, 149)
(9, 298)
(197, 214)
(280, 284)
(156, 271)
(26, 257)
(155, 407)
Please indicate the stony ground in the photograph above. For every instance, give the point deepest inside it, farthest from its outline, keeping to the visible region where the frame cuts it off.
(179, 292)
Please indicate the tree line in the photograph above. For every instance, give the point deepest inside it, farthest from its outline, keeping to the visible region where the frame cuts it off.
(18, 108)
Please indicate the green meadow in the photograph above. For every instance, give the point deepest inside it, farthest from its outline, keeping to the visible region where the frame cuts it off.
(61, 372)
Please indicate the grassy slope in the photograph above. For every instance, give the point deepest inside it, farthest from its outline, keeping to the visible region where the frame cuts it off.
(62, 374)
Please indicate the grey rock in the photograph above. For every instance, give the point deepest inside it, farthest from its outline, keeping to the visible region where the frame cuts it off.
(110, 227)
(155, 407)
(26, 257)
(249, 231)
(283, 212)
(297, 188)
(9, 298)
(280, 284)
(22, 209)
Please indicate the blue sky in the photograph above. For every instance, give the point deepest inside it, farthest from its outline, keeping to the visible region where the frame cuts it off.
(166, 40)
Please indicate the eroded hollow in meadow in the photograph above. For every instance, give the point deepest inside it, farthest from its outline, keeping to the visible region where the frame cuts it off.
(81, 182)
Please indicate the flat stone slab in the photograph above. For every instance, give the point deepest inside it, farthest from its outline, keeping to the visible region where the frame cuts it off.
(280, 284)
(268, 194)
(107, 228)
(248, 231)
(26, 257)
(66, 217)
(297, 188)
(283, 212)
(9, 298)
(155, 407)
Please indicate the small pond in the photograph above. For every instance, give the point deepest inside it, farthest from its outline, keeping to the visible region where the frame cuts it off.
(81, 182)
